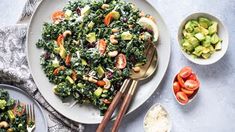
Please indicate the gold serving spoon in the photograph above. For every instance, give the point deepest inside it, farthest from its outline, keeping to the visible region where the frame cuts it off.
(146, 71)
(113, 105)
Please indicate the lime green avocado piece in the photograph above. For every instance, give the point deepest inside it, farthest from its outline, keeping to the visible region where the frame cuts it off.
(218, 46)
(70, 80)
(200, 36)
(91, 37)
(126, 36)
(84, 63)
(206, 55)
(188, 26)
(80, 85)
(213, 28)
(204, 22)
(91, 25)
(207, 41)
(98, 92)
(186, 34)
(194, 41)
(187, 46)
(62, 53)
(215, 39)
(11, 115)
(100, 71)
(198, 50)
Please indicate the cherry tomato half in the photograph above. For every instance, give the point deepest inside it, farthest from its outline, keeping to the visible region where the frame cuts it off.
(176, 87)
(180, 80)
(186, 91)
(102, 46)
(182, 97)
(191, 85)
(60, 40)
(192, 77)
(120, 61)
(186, 72)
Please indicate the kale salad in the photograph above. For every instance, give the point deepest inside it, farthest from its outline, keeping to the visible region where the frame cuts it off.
(90, 47)
(12, 114)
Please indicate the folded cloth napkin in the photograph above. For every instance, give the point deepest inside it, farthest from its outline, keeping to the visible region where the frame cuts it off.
(14, 69)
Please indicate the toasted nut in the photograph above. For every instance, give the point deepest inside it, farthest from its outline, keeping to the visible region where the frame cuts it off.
(76, 42)
(136, 69)
(142, 14)
(107, 83)
(152, 18)
(84, 77)
(130, 26)
(10, 130)
(113, 40)
(106, 101)
(66, 33)
(112, 53)
(104, 6)
(115, 30)
(90, 79)
(4, 124)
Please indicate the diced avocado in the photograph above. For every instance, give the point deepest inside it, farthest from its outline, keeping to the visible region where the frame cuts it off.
(84, 62)
(100, 71)
(194, 23)
(91, 25)
(196, 30)
(68, 78)
(80, 85)
(55, 63)
(126, 36)
(206, 55)
(57, 50)
(187, 46)
(198, 50)
(207, 41)
(203, 30)
(188, 26)
(213, 28)
(11, 115)
(186, 34)
(98, 92)
(62, 52)
(212, 49)
(204, 22)
(115, 14)
(68, 13)
(200, 36)
(91, 37)
(218, 46)
(193, 41)
(206, 50)
(215, 39)
(3, 104)
(85, 11)
(54, 89)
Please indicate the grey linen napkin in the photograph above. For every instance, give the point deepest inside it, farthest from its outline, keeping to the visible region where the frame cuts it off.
(14, 69)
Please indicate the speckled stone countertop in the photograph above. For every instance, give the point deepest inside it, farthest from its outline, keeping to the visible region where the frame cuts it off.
(214, 107)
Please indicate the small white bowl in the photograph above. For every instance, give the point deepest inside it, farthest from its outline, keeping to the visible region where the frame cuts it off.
(222, 33)
(191, 98)
(168, 117)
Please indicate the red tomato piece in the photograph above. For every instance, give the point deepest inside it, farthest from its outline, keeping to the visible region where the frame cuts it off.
(60, 40)
(102, 46)
(107, 19)
(191, 85)
(186, 72)
(120, 61)
(182, 97)
(192, 77)
(68, 60)
(180, 80)
(186, 91)
(176, 87)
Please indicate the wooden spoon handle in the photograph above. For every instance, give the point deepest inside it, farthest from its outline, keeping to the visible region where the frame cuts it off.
(112, 107)
(124, 106)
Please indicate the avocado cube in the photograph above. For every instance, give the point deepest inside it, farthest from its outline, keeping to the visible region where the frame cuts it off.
(126, 36)
(68, 78)
(98, 92)
(100, 71)
(198, 50)
(200, 36)
(218, 46)
(204, 22)
(194, 41)
(91, 37)
(206, 55)
(215, 39)
(213, 28)
(11, 115)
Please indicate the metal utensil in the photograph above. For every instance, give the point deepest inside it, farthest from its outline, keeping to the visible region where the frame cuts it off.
(30, 112)
(146, 71)
(117, 98)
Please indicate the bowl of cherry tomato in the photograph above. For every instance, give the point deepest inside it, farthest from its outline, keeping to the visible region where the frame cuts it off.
(185, 86)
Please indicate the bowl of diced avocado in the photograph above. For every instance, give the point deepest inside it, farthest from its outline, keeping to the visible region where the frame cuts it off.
(203, 38)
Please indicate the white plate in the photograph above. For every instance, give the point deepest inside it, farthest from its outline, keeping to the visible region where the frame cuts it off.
(86, 113)
(18, 94)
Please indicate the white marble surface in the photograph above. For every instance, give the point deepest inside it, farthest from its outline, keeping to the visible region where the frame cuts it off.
(214, 107)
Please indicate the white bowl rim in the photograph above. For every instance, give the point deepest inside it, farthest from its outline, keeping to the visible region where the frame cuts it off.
(202, 61)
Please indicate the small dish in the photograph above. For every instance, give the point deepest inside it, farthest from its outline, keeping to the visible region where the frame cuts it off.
(222, 32)
(185, 86)
(158, 108)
